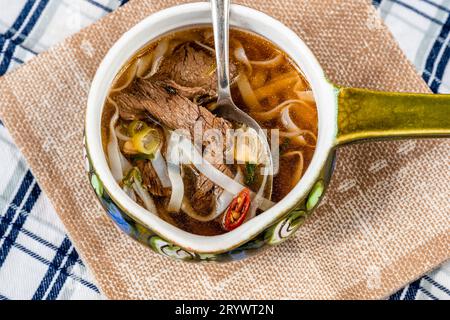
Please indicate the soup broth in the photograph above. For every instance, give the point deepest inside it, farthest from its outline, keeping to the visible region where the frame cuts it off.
(168, 90)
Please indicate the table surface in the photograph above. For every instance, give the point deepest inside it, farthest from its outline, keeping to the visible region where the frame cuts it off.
(37, 259)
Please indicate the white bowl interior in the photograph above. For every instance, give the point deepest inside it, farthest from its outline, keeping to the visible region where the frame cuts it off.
(194, 14)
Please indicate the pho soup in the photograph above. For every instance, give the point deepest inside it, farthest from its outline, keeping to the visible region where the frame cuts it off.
(170, 153)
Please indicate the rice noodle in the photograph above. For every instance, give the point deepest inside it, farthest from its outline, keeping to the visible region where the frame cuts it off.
(143, 65)
(120, 135)
(287, 121)
(283, 111)
(300, 86)
(272, 63)
(278, 77)
(130, 192)
(189, 153)
(160, 166)
(130, 74)
(174, 173)
(126, 165)
(274, 87)
(225, 198)
(275, 112)
(158, 56)
(294, 132)
(247, 146)
(306, 96)
(257, 199)
(298, 132)
(241, 56)
(299, 137)
(145, 197)
(247, 93)
(259, 79)
(299, 171)
(113, 150)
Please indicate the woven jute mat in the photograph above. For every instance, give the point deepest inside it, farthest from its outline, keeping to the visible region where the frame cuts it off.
(384, 222)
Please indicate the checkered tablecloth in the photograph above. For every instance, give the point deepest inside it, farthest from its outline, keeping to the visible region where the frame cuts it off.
(37, 260)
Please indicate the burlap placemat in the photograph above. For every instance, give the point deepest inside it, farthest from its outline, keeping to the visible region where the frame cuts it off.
(384, 222)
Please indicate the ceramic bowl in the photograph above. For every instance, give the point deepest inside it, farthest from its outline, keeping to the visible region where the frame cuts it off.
(344, 115)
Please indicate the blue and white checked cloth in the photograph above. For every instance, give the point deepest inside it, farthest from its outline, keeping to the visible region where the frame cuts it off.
(37, 260)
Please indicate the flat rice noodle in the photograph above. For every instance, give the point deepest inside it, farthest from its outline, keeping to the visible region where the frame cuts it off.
(225, 198)
(113, 151)
(247, 93)
(144, 64)
(287, 121)
(301, 85)
(299, 137)
(259, 79)
(272, 63)
(126, 78)
(306, 96)
(298, 132)
(297, 175)
(276, 111)
(158, 55)
(191, 155)
(120, 135)
(241, 56)
(174, 174)
(292, 127)
(149, 204)
(308, 115)
(160, 166)
(126, 165)
(130, 192)
(276, 77)
(274, 87)
(257, 199)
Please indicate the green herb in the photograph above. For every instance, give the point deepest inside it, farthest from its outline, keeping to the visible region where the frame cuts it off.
(250, 170)
(142, 156)
(134, 175)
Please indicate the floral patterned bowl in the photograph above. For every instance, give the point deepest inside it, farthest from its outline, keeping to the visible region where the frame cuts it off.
(345, 115)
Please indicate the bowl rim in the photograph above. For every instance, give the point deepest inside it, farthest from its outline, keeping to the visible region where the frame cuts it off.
(192, 14)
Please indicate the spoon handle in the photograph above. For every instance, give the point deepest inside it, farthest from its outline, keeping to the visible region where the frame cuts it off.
(220, 18)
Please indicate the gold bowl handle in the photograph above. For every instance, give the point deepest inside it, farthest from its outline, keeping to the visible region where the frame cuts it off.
(365, 115)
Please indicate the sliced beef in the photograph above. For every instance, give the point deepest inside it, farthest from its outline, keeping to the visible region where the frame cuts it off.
(190, 72)
(192, 66)
(131, 112)
(168, 107)
(150, 179)
(191, 93)
(176, 112)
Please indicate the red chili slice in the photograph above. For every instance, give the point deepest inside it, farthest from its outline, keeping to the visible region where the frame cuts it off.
(237, 211)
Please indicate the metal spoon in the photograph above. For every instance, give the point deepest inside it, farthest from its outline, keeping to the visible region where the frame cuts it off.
(225, 105)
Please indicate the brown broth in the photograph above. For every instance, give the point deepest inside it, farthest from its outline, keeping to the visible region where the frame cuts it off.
(257, 49)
